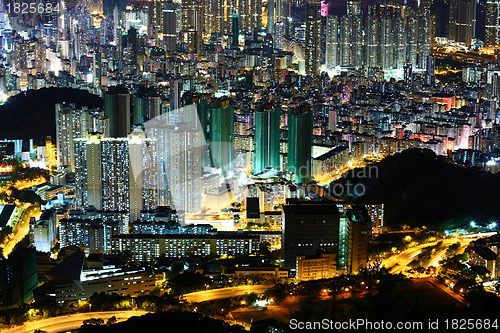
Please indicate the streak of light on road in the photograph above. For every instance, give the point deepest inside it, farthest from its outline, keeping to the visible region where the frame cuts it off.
(64, 323)
(214, 294)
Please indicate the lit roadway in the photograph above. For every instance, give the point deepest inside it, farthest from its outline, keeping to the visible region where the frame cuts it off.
(439, 255)
(214, 294)
(397, 263)
(464, 56)
(25, 184)
(73, 321)
(22, 229)
(434, 281)
(327, 178)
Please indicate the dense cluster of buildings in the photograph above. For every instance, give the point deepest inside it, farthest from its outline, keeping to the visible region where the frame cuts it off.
(218, 117)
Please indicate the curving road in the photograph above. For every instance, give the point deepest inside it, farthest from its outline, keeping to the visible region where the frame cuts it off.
(214, 294)
(21, 229)
(444, 288)
(73, 321)
(398, 263)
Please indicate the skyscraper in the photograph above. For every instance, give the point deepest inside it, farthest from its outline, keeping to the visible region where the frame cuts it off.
(184, 167)
(65, 134)
(73, 123)
(244, 15)
(277, 11)
(313, 36)
(431, 67)
(400, 42)
(115, 164)
(18, 277)
(201, 122)
(353, 7)
(143, 174)
(319, 227)
(492, 33)
(169, 18)
(283, 15)
(308, 229)
(372, 41)
(189, 14)
(102, 173)
(412, 39)
(88, 186)
(345, 41)
(192, 24)
(138, 110)
(155, 13)
(357, 41)
(271, 15)
(386, 42)
(222, 135)
(332, 42)
(117, 110)
(145, 108)
(387, 38)
(235, 31)
(132, 43)
(81, 185)
(267, 138)
(109, 6)
(462, 21)
(441, 12)
(300, 121)
(423, 40)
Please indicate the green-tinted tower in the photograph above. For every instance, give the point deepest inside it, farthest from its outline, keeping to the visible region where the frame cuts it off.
(267, 138)
(133, 43)
(235, 31)
(117, 110)
(201, 102)
(222, 135)
(139, 110)
(300, 123)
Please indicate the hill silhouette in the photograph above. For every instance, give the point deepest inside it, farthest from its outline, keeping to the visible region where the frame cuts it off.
(177, 321)
(31, 114)
(420, 188)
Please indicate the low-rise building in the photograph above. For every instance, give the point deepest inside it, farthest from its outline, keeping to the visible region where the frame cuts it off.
(315, 267)
(147, 247)
(263, 272)
(70, 283)
(484, 256)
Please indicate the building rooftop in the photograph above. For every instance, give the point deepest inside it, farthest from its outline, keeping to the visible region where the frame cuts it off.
(218, 235)
(311, 208)
(484, 252)
(330, 153)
